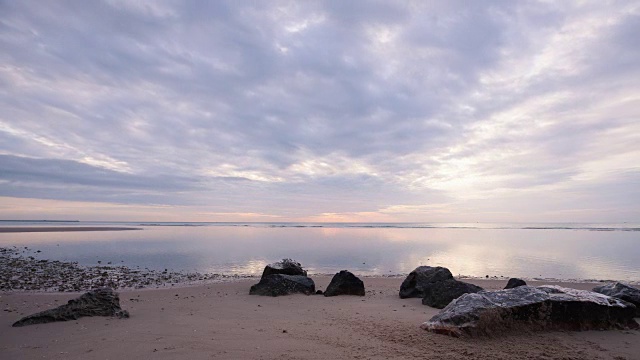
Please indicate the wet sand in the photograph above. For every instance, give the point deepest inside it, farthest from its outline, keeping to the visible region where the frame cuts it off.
(62, 229)
(222, 321)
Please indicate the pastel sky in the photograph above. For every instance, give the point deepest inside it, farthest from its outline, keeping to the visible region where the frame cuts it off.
(424, 111)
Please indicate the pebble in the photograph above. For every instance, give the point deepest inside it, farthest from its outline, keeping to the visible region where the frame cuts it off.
(26, 273)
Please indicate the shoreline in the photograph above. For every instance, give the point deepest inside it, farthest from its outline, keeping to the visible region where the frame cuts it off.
(28, 229)
(21, 271)
(492, 284)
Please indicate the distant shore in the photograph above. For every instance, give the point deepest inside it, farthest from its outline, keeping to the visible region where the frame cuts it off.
(23, 229)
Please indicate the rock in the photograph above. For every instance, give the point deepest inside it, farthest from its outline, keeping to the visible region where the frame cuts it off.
(286, 267)
(532, 308)
(98, 302)
(440, 294)
(515, 282)
(319, 292)
(413, 285)
(279, 284)
(623, 292)
(345, 283)
(435, 285)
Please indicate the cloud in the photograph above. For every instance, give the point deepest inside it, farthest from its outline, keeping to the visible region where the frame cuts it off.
(300, 109)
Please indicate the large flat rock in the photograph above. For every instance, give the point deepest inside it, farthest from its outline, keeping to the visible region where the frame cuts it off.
(531, 308)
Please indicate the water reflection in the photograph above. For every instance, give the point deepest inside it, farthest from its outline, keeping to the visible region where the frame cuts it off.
(553, 253)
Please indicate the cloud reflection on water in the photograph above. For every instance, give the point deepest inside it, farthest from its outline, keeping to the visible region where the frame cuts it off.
(551, 253)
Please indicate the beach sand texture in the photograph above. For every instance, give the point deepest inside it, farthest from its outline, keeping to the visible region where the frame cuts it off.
(222, 321)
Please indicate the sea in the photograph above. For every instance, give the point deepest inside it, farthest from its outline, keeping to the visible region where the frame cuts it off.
(561, 251)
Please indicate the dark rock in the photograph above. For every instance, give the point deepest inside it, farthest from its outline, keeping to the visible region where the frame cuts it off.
(319, 292)
(440, 294)
(435, 285)
(279, 284)
(345, 283)
(98, 302)
(413, 285)
(623, 292)
(286, 267)
(532, 308)
(515, 282)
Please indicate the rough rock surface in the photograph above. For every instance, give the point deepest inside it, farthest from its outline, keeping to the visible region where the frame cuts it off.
(415, 282)
(623, 292)
(286, 267)
(515, 282)
(531, 308)
(98, 302)
(345, 283)
(440, 294)
(279, 284)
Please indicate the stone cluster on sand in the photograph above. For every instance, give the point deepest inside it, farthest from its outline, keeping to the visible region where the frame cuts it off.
(532, 308)
(469, 310)
(19, 270)
(435, 285)
(98, 302)
(288, 277)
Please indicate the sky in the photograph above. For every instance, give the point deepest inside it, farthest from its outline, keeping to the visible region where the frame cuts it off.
(381, 111)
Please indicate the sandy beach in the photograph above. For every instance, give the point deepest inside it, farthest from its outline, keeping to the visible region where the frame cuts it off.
(222, 321)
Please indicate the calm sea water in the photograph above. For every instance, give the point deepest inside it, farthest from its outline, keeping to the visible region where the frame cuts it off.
(560, 251)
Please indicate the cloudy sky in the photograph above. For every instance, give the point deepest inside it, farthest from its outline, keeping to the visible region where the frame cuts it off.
(320, 111)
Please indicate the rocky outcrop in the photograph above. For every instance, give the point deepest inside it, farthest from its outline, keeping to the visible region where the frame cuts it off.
(515, 282)
(279, 284)
(623, 292)
(440, 294)
(286, 267)
(532, 308)
(99, 302)
(345, 283)
(421, 277)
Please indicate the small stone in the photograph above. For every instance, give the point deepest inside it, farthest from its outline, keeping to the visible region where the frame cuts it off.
(515, 282)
